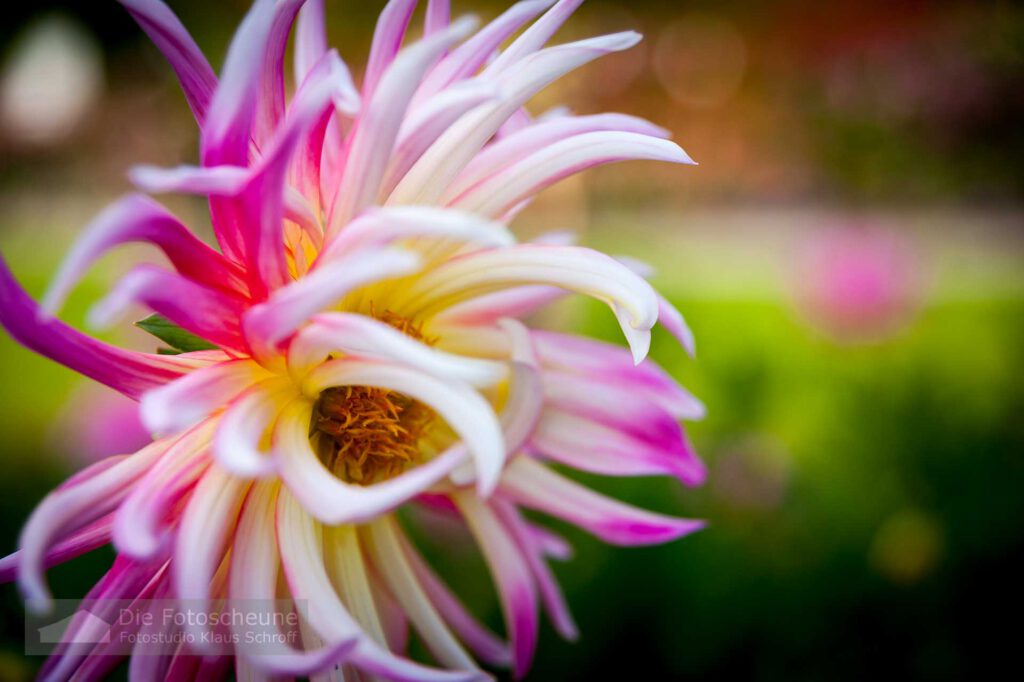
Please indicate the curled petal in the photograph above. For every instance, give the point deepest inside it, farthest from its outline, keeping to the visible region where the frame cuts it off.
(581, 270)
(184, 402)
(382, 226)
(537, 487)
(288, 308)
(500, 192)
(466, 412)
(136, 218)
(211, 314)
(165, 30)
(366, 337)
(516, 589)
(329, 499)
(68, 509)
(137, 532)
(514, 148)
(89, 537)
(672, 320)
(238, 444)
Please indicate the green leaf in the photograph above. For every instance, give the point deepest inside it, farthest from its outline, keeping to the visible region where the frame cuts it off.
(179, 340)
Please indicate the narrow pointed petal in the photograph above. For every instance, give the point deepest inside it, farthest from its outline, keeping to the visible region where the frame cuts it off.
(438, 16)
(536, 36)
(517, 302)
(310, 38)
(535, 486)
(87, 538)
(547, 585)
(484, 643)
(581, 270)
(513, 580)
(672, 320)
(197, 78)
(390, 560)
(392, 24)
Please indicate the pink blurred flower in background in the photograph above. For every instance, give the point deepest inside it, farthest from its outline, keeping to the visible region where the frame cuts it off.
(858, 283)
(98, 422)
(355, 346)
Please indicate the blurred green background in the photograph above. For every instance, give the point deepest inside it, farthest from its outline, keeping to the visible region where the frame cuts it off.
(848, 254)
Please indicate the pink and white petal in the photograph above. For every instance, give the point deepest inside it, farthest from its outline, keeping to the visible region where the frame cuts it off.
(238, 445)
(310, 38)
(253, 578)
(535, 37)
(140, 523)
(438, 16)
(301, 543)
(220, 181)
(69, 509)
(441, 164)
(136, 218)
(382, 226)
(129, 372)
(465, 410)
(426, 123)
(288, 308)
(333, 501)
(197, 78)
(389, 558)
(465, 60)
(87, 538)
(514, 148)
(392, 23)
(584, 271)
(376, 130)
(534, 485)
(500, 192)
(484, 643)
(550, 543)
(603, 449)
(547, 585)
(563, 353)
(184, 402)
(363, 336)
(211, 314)
(204, 536)
(271, 100)
(672, 320)
(517, 591)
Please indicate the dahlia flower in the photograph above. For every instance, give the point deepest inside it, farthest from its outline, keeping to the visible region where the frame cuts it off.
(354, 345)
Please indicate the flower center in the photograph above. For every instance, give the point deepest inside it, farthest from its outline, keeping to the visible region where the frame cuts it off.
(369, 434)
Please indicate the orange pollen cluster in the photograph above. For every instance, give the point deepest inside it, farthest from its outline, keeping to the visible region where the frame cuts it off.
(370, 434)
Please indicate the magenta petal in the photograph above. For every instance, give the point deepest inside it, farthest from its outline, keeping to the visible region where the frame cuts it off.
(83, 540)
(438, 16)
(165, 30)
(125, 371)
(536, 486)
